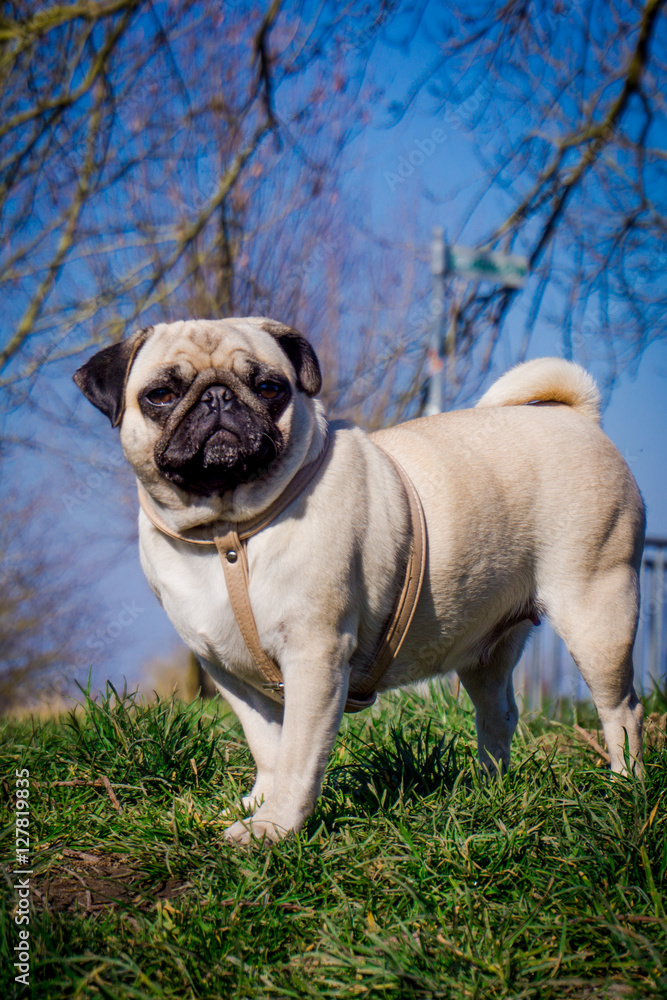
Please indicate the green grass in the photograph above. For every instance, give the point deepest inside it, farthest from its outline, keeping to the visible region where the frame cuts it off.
(414, 878)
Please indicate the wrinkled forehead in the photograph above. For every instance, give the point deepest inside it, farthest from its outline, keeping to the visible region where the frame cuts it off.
(194, 345)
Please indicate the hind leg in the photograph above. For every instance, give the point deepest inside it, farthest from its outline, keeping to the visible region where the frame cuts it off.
(491, 691)
(598, 623)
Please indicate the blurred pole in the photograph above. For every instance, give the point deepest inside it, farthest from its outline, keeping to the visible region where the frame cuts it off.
(450, 348)
(435, 362)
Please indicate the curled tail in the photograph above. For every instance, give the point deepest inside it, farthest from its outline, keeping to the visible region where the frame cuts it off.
(546, 380)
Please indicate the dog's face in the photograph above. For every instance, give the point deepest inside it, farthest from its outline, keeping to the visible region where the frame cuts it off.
(205, 405)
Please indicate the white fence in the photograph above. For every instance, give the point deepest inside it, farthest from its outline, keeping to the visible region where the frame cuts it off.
(547, 672)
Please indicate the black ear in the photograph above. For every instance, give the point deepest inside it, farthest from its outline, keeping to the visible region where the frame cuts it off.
(298, 350)
(104, 377)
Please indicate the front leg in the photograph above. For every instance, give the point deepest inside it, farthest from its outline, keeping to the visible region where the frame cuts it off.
(315, 696)
(262, 720)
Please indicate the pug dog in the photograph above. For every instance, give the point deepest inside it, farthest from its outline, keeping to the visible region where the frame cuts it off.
(529, 510)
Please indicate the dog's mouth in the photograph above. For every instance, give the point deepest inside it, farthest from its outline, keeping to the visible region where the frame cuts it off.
(218, 444)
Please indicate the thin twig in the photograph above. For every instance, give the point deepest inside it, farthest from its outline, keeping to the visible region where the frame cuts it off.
(110, 792)
(592, 742)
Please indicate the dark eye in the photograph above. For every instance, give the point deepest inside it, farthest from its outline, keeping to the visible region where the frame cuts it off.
(269, 390)
(161, 396)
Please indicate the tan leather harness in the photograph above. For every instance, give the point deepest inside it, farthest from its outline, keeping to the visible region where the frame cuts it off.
(231, 545)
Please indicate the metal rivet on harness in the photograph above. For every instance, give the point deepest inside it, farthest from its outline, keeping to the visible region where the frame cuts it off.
(232, 556)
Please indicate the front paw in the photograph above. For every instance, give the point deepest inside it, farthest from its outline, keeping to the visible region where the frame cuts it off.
(249, 829)
(262, 826)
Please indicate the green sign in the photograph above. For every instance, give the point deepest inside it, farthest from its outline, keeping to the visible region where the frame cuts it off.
(479, 265)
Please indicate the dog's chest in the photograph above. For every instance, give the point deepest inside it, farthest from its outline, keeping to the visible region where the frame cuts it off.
(190, 585)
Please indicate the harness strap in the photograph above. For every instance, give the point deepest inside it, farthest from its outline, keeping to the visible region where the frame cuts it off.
(232, 549)
(366, 678)
(234, 557)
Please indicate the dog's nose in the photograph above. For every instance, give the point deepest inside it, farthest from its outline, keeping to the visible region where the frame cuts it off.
(217, 398)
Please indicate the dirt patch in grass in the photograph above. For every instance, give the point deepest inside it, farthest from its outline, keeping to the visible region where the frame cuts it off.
(655, 726)
(94, 882)
(573, 737)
